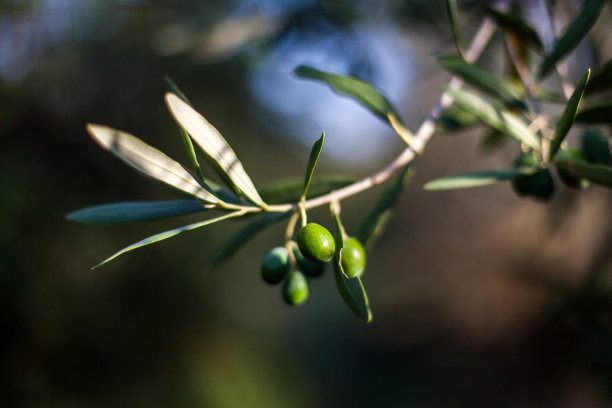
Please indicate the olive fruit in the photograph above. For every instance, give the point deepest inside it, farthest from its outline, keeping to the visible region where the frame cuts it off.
(353, 258)
(316, 242)
(295, 288)
(539, 185)
(311, 268)
(275, 265)
(567, 178)
(596, 147)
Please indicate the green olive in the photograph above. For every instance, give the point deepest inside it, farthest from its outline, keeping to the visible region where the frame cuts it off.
(596, 147)
(353, 258)
(295, 288)
(275, 265)
(316, 242)
(313, 269)
(539, 185)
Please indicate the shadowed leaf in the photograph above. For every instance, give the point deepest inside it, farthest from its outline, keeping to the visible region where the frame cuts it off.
(453, 119)
(596, 114)
(519, 26)
(475, 179)
(580, 169)
(601, 79)
(118, 213)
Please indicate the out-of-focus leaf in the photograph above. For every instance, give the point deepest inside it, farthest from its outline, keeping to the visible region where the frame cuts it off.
(169, 234)
(312, 162)
(595, 147)
(453, 119)
(213, 144)
(351, 289)
(289, 191)
(118, 213)
(376, 218)
(475, 179)
(569, 114)
(601, 79)
(244, 235)
(496, 117)
(359, 90)
(516, 24)
(481, 79)
(580, 169)
(492, 140)
(596, 114)
(173, 87)
(453, 17)
(575, 32)
(148, 160)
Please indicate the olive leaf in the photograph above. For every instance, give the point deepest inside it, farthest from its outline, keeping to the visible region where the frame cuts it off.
(601, 79)
(376, 219)
(569, 114)
(481, 79)
(475, 179)
(453, 17)
(312, 162)
(290, 190)
(359, 90)
(351, 289)
(173, 87)
(518, 25)
(213, 144)
(596, 114)
(496, 117)
(169, 234)
(580, 169)
(117, 213)
(453, 119)
(575, 32)
(148, 160)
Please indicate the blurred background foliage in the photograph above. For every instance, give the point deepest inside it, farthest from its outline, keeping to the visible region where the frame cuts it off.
(480, 298)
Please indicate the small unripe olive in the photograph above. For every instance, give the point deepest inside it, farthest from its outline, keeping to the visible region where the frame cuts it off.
(316, 242)
(539, 185)
(295, 288)
(275, 265)
(353, 258)
(595, 147)
(311, 268)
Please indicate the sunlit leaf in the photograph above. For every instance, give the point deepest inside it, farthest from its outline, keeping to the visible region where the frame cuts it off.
(569, 114)
(351, 289)
(244, 235)
(475, 179)
(173, 87)
(289, 191)
(359, 90)
(118, 213)
(213, 144)
(496, 117)
(376, 218)
(574, 33)
(519, 26)
(580, 169)
(169, 234)
(601, 79)
(596, 114)
(481, 79)
(148, 160)
(312, 162)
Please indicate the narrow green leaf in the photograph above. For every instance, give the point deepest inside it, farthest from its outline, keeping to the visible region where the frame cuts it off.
(495, 117)
(481, 79)
(453, 119)
(312, 162)
(244, 235)
(569, 114)
(148, 160)
(359, 90)
(351, 289)
(118, 213)
(575, 32)
(516, 24)
(596, 114)
(601, 79)
(289, 191)
(376, 218)
(475, 179)
(169, 234)
(580, 169)
(173, 87)
(453, 17)
(492, 140)
(213, 144)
